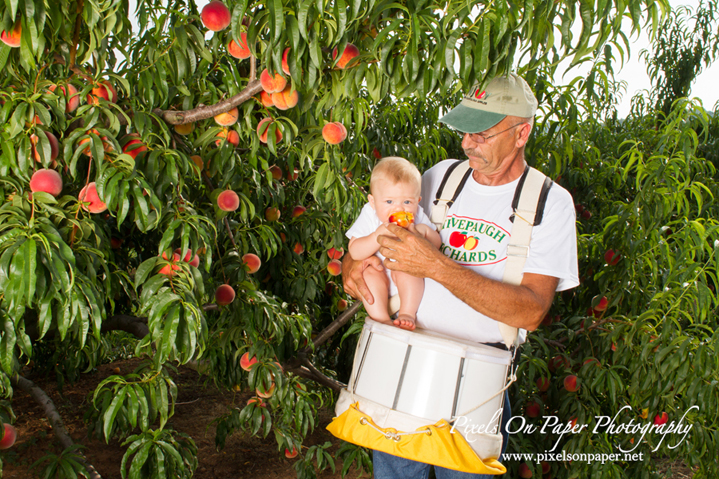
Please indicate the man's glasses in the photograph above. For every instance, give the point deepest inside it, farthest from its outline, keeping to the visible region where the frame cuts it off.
(482, 138)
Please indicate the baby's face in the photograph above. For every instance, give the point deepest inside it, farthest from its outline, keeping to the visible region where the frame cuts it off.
(388, 198)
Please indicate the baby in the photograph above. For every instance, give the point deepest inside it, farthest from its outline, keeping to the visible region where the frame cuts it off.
(395, 188)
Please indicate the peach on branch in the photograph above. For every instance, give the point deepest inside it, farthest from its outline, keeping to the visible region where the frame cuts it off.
(115, 243)
(134, 147)
(298, 210)
(533, 409)
(272, 214)
(341, 305)
(252, 261)
(334, 267)
(602, 303)
(54, 146)
(266, 99)
(263, 127)
(9, 436)
(231, 136)
(350, 53)
(612, 257)
(228, 200)
(224, 295)
(376, 153)
(194, 262)
(543, 384)
(90, 199)
(286, 99)
(299, 249)
(184, 129)
(293, 175)
(272, 84)
(227, 118)
(524, 471)
(291, 454)
(661, 418)
(276, 172)
(169, 269)
(334, 132)
(216, 16)
(246, 362)
(103, 90)
(197, 160)
(570, 383)
(285, 64)
(12, 39)
(47, 181)
(72, 100)
(335, 253)
(265, 393)
(258, 401)
(239, 50)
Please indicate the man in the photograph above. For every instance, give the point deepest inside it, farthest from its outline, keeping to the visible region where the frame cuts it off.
(464, 296)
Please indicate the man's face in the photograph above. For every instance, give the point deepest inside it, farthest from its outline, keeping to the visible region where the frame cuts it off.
(388, 197)
(489, 150)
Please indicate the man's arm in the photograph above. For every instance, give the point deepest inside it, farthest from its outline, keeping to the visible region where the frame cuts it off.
(521, 306)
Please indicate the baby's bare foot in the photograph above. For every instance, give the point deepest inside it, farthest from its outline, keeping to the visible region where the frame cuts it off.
(405, 321)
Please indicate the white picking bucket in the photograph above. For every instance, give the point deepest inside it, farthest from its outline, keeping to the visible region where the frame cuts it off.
(409, 379)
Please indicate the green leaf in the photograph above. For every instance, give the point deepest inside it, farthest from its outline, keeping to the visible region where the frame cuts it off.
(109, 416)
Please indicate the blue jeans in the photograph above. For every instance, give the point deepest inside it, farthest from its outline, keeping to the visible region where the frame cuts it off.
(387, 466)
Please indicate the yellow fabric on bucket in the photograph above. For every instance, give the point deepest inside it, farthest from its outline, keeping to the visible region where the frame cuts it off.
(438, 446)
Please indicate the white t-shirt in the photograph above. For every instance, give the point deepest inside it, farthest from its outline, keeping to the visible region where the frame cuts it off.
(368, 222)
(476, 233)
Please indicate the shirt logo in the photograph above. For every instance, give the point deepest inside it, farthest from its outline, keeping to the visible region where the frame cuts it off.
(473, 242)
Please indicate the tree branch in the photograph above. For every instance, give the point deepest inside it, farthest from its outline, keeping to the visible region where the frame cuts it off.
(174, 117)
(130, 324)
(327, 333)
(52, 415)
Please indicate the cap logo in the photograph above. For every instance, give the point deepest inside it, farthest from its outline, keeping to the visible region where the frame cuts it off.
(481, 95)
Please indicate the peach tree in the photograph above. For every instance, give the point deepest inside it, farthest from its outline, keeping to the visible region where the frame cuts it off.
(181, 174)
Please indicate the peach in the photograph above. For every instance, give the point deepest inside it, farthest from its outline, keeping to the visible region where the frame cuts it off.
(231, 136)
(350, 52)
(134, 147)
(286, 99)
(276, 172)
(228, 200)
(216, 16)
(602, 304)
(266, 393)
(272, 84)
(266, 99)
(47, 181)
(291, 454)
(292, 176)
(298, 210)
(246, 362)
(660, 419)
(335, 253)
(570, 383)
(169, 269)
(115, 243)
(72, 100)
(184, 129)
(12, 39)
(9, 436)
(103, 90)
(89, 195)
(524, 471)
(194, 262)
(299, 249)
(376, 153)
(54, 146)
(239, 50)
(197, 160)
(543, 384)
(612, 257)
(258, 401)
(334, 132)
(272, 214)
(533, 409)
(285, 64)
(224, 295)
(341, 305)
(252, 261)
(334, 267)
(263, 127)
(227, 118)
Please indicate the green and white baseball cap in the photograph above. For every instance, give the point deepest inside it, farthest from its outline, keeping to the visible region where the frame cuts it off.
(481, 109)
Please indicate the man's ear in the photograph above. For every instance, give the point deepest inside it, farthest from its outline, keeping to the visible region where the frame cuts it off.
(524, 133)
(370, 199)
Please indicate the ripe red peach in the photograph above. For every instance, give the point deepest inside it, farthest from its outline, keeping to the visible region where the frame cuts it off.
(89, 195)
(54, 146)
(264, 126)
(72, 100)
(266, 99)
(334, 132)
(9, 436)
(231, 136)
(291, 454)
(350, 52)
(134, 147)
(272, 214)
(612, 257)
(286, 99)
(169, 269)
(334, 267)
(285, 64)
(660, 419)
(224, 295)
(570, 383)
(216, 16)
(103, 90)
(272, 84)
(293, 175)
(252, 261)
(12, 39)
(543, 384)
(194, 262)
(258, 401)
(298, 210)
(299, 249)
(246, 362)
(239, 50)
(602, 304)
(227, 118)
(533, 409)
(266, 393)
(47, 181)
(524, 471)
(228, 200)
(341, 305)
(335, 253)
(276, 172)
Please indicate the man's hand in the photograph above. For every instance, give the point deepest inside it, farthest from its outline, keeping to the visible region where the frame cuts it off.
(411, 252)
(352, 279)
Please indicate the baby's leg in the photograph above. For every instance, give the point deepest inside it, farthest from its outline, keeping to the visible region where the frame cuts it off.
(378, 284)
(410, 290)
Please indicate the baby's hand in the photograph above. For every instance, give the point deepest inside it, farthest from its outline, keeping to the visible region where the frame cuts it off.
(382, 230)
